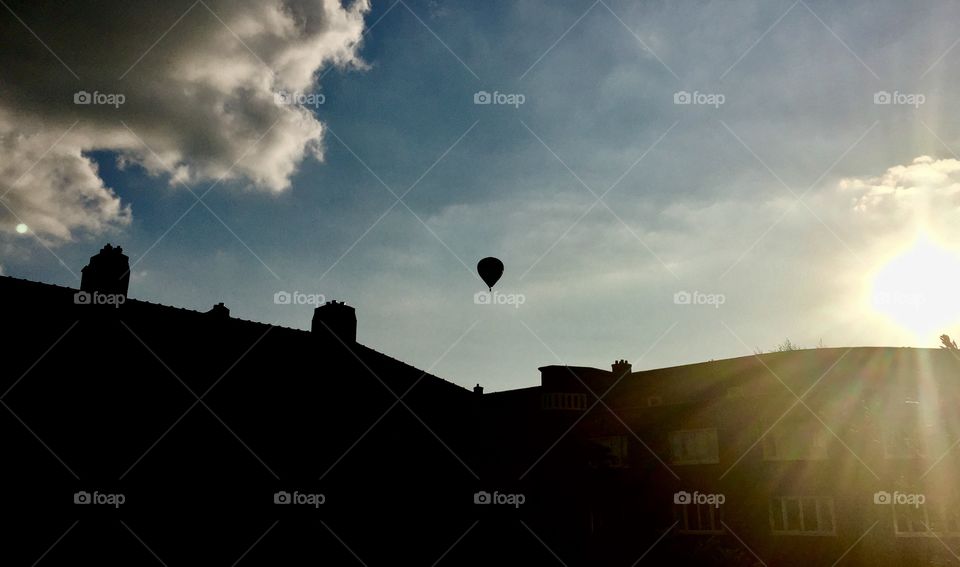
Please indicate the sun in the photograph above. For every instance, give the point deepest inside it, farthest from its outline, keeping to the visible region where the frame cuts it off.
(919, 289)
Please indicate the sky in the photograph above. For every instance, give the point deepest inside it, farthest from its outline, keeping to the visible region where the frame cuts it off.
(665, 182)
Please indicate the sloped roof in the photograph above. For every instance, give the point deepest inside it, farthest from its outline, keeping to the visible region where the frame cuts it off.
(150, 310)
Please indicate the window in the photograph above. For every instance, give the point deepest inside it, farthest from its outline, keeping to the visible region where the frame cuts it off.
(694, 447)
(926, 520)
(562, 401)
(797, 441)
(802, 515)
(698, 518)
(616, 446)
(912, 434)
(903, 442)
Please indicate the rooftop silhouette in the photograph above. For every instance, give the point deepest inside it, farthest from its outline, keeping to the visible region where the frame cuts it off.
(230, 425)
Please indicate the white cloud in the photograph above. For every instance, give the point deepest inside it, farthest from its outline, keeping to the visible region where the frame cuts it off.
(926, 182)
(194, 104)
(60, 194)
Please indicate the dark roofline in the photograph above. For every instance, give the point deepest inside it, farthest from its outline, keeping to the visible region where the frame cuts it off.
(183, 310)
(779, 354)
(542, 368)
(652, 372)
(753, 359)
(500, 393)
(424, 372)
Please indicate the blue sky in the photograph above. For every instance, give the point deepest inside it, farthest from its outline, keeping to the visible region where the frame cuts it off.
(784, 200)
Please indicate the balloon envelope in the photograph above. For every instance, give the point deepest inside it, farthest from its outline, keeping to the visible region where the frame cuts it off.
(490, 269)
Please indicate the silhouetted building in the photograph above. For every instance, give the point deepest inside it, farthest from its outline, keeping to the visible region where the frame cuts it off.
(795, 458)
(202, 419)
(234, 429)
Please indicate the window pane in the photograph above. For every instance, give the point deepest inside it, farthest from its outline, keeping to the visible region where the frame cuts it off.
(676, 446)
(921, 523)
(826, 514)
(905, 520)
(695, 445)
(680, 514)
(776, 515)
(697, 519)
(810, 522)
(952, 521)
(792, 506)
(933, 519)
(711, 518)
(712, 452)
(821, 441)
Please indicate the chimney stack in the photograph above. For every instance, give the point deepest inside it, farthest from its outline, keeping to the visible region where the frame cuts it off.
(338, 318)
(220, 311)
(478, 390)
(108, 272)
(621, 368)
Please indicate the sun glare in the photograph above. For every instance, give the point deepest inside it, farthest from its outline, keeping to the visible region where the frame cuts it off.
(919, 290)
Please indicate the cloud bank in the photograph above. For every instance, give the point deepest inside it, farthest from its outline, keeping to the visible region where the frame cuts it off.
(185, 91)
(923, 183)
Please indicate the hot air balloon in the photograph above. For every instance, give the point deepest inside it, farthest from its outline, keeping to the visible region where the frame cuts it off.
(490, 270)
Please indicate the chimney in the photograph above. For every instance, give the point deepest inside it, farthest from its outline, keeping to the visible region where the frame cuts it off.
(335, 317)
(219, 311)
(108, 272)
(621, 367)
(478, 390)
